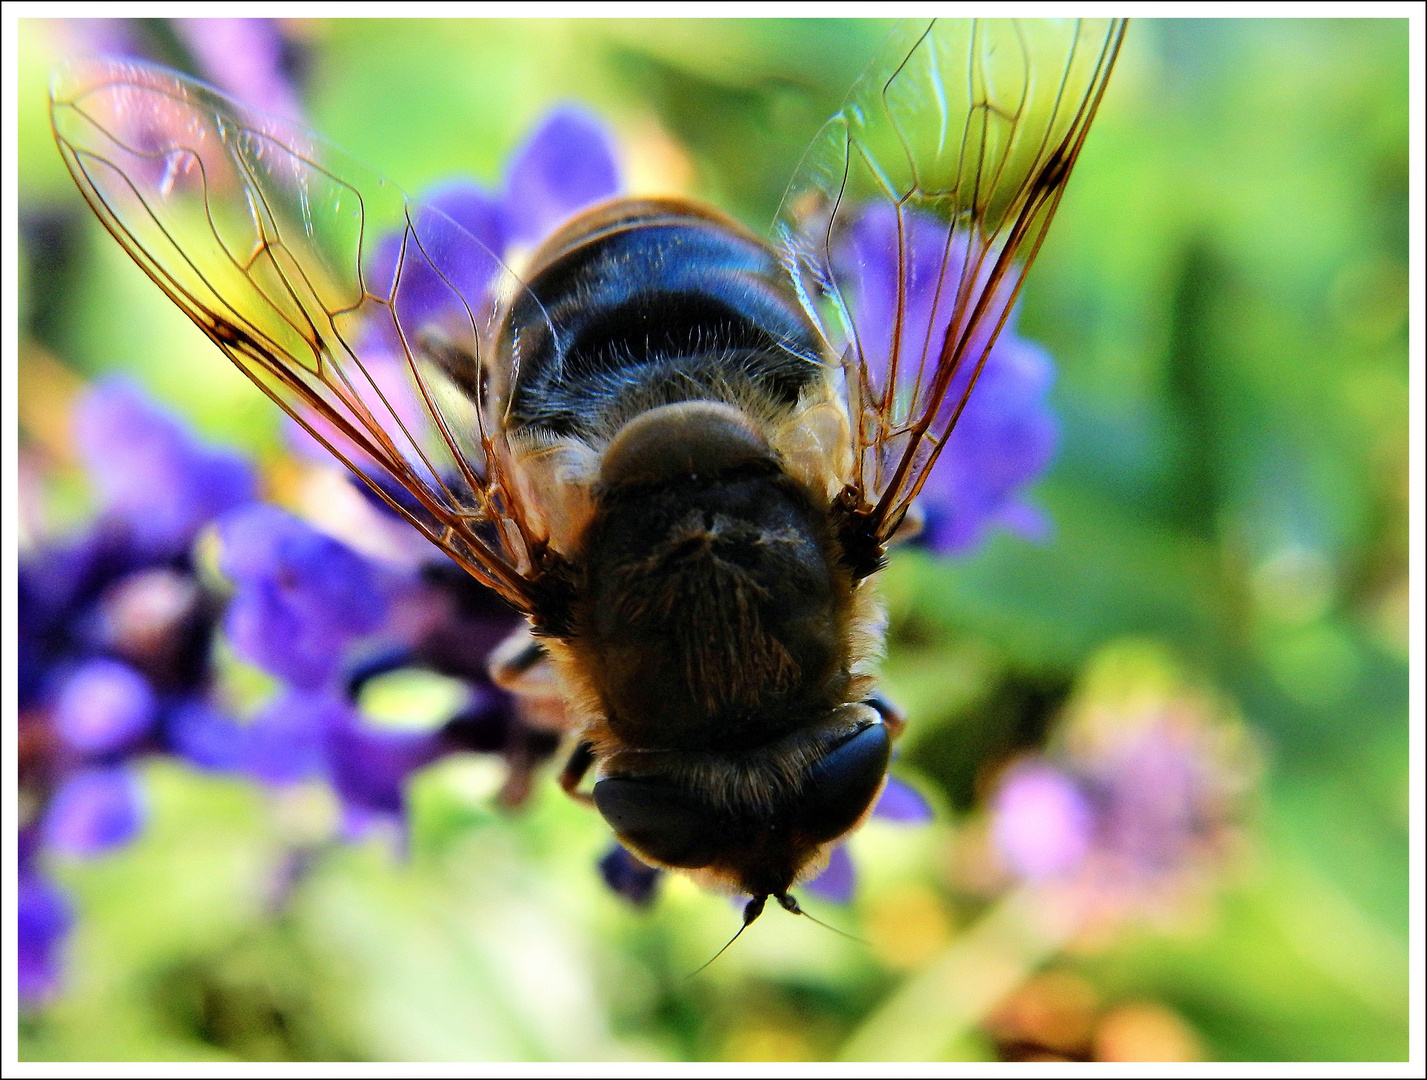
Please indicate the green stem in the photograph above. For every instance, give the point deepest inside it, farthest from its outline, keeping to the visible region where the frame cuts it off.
(935, 1007)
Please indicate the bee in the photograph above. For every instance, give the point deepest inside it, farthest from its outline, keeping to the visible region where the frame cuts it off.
(680, 449)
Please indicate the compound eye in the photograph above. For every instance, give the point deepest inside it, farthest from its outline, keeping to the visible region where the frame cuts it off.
(660, 821)
(843, 783)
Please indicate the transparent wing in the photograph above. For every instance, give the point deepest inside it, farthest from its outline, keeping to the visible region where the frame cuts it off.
(914, 216)
(362, 314)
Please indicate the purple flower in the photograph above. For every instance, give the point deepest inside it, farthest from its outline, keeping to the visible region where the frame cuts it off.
(287, 740)
(902, 803)
(150, 473)
(302, 604)
(301, 597)
(1167, 790)
(1005, 438)
(44, 917)
(423, 260)
(317, 734)
(321, 734)
(1004, 441)
(94, 811)
(208, 738)
(103, 706)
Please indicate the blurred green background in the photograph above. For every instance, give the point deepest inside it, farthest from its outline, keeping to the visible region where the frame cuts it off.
(1225, 294)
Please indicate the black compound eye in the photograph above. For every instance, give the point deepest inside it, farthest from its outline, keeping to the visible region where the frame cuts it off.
(842, 784)
(660, 821)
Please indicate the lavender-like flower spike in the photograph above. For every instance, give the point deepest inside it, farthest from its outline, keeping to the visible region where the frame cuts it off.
(1138, 806)
(1005, 438)
(115, 630)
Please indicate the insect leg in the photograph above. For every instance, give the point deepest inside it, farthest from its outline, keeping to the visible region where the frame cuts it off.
(456, 363)
(520, 665)
(574, 771)
(373, 667)
(911, 526)
(893, 717)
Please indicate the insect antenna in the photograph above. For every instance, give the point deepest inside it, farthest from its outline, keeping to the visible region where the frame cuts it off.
(751, 911)
(791, 905)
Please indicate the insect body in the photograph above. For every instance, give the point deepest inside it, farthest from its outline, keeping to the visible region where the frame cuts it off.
(680, 449)
(714, 633)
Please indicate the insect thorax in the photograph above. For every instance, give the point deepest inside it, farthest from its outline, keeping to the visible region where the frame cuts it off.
(641, 303)
(713, 604)
(714, 612)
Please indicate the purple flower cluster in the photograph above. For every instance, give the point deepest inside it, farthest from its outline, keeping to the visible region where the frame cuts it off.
(116, 628)
(324, 620)
(1133, 813)
(114, 633)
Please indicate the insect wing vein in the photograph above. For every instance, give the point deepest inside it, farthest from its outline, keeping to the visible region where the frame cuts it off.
(263, 235)
(914, 217)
